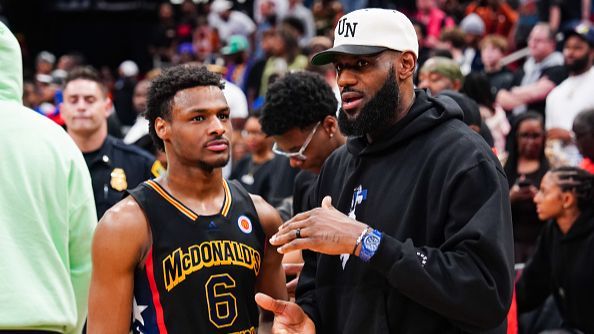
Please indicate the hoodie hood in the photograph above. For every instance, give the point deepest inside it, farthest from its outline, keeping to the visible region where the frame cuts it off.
(11, 67)
(425, 113)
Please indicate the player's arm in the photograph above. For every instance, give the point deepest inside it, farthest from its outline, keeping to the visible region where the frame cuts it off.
(119, 245)
(271, 279)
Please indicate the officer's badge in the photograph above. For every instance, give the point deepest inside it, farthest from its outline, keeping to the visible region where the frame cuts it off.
(118, 179)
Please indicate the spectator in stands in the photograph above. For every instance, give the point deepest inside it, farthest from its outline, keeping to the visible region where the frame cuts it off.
(162, 40)
(140, 128)
(286, 56)
(583, 129)
(452, 40)
(237, 60)
(474, 29)
(562, 264)
(477, 87)
(262, 172)
(525, 166)
(439, 74)
(434, 19)
(575, 93)
(499, 17)
(493, 48)
(304, 14)
(326, 14)
(44, 63)
(123, 92)
(565, 14)
(541, 72)
(229, 22)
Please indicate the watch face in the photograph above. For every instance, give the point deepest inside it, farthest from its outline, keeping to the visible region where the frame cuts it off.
(371, 242)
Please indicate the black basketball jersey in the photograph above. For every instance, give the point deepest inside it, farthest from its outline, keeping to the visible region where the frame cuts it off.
(200, 272)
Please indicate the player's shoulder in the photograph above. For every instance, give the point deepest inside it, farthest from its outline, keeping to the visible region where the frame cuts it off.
(124, 218)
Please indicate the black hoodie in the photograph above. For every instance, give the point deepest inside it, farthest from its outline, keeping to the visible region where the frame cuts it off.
(440, 198)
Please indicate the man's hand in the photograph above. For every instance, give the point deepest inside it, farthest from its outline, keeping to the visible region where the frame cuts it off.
(323, 230)
(289, 318)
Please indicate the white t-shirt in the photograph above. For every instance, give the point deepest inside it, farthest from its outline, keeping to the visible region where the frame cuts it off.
(237, 24)
(236, 100)
(573, 95)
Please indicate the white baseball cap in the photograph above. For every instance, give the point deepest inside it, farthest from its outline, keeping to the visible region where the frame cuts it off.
(368, 31)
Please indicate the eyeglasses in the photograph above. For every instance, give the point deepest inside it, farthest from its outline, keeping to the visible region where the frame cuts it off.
(299, 154)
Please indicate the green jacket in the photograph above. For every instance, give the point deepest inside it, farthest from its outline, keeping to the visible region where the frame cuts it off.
(47, 213)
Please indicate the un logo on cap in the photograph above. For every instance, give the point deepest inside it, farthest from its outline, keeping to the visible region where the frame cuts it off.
(346, 29)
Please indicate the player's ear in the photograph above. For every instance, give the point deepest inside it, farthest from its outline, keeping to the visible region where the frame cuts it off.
(162, 128)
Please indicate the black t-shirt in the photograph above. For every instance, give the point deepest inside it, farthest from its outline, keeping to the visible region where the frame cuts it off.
(501, 79)
(273, 180)
(554, 73)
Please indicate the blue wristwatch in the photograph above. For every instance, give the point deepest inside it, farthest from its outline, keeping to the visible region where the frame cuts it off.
(369, 245)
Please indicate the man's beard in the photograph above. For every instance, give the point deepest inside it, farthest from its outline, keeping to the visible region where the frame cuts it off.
(378, 114)
(579, 65)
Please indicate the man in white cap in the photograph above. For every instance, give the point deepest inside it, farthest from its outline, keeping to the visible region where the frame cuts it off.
(413, 233)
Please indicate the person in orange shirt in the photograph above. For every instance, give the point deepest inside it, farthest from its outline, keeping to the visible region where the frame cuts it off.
(498, 15)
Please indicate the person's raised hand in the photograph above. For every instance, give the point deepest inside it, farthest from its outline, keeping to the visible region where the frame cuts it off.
(324, 230)
(289, 318)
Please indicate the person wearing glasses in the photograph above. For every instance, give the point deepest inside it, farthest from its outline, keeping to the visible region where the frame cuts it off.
(412, 228)
(300, 115)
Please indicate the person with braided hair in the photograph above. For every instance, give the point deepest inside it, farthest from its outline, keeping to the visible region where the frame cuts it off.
(562, 264)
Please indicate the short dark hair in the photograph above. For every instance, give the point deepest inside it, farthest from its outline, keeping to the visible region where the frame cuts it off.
(297, 100)
(585, 117)
(85, 73)
(164, 87)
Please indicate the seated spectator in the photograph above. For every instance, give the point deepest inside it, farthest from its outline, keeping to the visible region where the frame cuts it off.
(434, 19)
(474, 29)
(525, 166)
(575, 93)
(562, 264)
(262, 172)
(326, 14)
(229, 22)
(493, 48)
(439, 74)
(452, 40)
(499, 17)
(237, 60)
(542, 71)
(583, 129)
(286, 56)
(305, 16)
(477, 87)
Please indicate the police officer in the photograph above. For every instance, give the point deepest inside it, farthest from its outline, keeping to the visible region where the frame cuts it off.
(114, 166)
